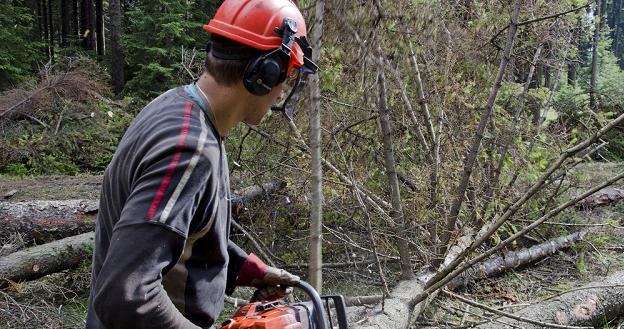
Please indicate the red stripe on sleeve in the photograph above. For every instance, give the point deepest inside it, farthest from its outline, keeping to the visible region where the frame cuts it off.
(174, 162)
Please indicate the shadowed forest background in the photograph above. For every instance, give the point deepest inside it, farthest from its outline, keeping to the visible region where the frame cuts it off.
(438, 136)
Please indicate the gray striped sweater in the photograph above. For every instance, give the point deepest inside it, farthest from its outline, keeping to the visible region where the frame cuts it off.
(162, 256)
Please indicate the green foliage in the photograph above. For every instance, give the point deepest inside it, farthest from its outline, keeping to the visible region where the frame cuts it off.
(581, 266)
(572, 102)
(332, 61)
(17, 47)
(82, 145)
(155, 32)
(610, 82)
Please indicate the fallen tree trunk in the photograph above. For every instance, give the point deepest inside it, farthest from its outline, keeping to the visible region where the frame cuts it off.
(35, 262)
(514, 259)
(394, 312)
(591, 305)
(488, 268)
(45, 221)
(604, 197)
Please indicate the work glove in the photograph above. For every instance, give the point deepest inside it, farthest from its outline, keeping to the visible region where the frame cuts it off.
(270, 281)
(270, 293)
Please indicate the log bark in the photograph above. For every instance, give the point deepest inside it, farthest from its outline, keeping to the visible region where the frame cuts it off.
(115, 14)
(493, 267)
(591, 305)
(315, 270)
(35, 262)
(397, 215)
(45, 221)
(395, 311)
(514, 259)
(604, 197)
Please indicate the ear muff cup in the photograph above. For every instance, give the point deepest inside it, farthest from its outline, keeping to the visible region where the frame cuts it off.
(262, 74)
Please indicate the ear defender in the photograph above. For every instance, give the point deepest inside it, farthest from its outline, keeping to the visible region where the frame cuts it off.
(268, 70)
(263, 73)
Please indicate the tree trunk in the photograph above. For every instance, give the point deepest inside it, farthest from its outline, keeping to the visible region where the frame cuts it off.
(99, 28)
(86, 24)
(65, 22)
(571, 74)
(618, 39)
(471, 156)
(435, 158)
(591, 305)
(492, 186)
(39, 26)
(75, 21)
(611, 14)
(539, 70)
(35, 7)
(495, 266)
(50, 31)
(514, 259)
(44, 221)
(547, 77)
(395, 313)
(316, 186)
(117, 55)
(44, 23)
(594, 63)
(35, 262)
(396, 213)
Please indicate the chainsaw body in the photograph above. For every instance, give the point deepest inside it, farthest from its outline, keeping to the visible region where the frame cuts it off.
(279, 315)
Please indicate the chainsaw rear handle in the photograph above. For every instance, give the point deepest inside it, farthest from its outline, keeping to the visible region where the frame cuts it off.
(316, 301)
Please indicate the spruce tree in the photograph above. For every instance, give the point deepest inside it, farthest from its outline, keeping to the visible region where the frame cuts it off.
(155, 32)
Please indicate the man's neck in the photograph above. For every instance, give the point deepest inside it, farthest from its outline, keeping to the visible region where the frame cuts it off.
(227, 103)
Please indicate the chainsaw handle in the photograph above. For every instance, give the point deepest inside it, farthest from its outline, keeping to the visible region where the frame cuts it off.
(316, 301)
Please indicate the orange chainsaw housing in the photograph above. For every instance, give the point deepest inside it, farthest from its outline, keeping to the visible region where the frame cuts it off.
(272, 315)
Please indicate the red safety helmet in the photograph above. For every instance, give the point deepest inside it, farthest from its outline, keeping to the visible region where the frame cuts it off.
(257, 24)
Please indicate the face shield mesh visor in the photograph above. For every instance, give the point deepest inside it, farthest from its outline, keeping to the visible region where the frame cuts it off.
(292, 86)
(296, 80)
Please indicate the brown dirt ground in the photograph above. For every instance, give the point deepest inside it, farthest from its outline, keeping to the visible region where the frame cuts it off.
(50, 188)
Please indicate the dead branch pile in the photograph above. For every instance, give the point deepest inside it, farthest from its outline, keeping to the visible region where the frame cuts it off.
(59, 93)
(78, 82)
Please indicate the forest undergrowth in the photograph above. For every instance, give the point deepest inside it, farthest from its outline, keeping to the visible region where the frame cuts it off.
(59, 300)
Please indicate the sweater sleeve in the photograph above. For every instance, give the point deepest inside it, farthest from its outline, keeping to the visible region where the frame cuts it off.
(237, 258)
(128, 292)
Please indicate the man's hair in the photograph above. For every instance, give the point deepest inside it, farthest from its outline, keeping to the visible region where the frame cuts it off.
(227, 72)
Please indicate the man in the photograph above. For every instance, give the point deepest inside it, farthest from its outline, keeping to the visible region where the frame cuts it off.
(162, 257)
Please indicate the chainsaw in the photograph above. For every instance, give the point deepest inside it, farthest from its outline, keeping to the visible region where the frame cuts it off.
(327, 312)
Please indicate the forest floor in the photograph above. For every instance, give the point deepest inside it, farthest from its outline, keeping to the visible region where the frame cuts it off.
(600, 254)
(59, 300)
